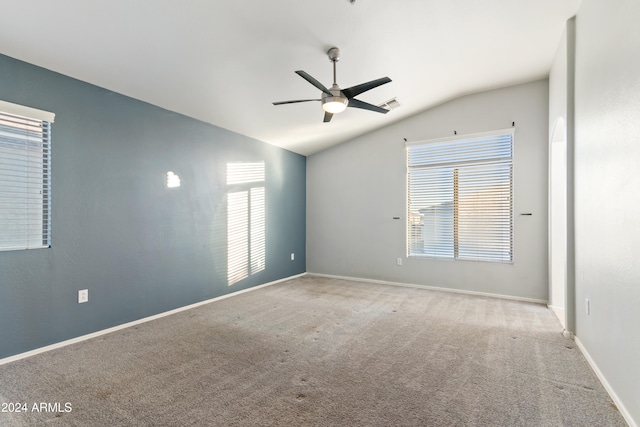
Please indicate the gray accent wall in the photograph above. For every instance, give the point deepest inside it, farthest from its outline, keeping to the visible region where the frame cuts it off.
(139, 247)
(357, 188)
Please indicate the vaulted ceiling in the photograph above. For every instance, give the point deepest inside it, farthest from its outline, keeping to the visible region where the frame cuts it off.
(225, 62)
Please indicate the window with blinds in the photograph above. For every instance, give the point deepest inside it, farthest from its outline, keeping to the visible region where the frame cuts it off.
(25, 177)
(460, 197)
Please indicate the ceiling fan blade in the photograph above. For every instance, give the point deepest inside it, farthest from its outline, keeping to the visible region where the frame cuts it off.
(358, 89)
(327, 117)
(293, 102)
(313, 81)
(355, 103)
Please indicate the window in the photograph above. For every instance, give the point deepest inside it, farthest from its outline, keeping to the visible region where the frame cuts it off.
(460, 197)
(25, 177)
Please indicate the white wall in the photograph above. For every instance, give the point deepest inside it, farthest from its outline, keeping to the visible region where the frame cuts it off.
(356, 188)
(607, 189)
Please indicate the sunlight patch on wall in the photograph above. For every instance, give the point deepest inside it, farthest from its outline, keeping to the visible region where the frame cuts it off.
(173, 180)
(246, 220)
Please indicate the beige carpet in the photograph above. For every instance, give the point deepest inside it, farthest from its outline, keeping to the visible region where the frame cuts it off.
(320, 352)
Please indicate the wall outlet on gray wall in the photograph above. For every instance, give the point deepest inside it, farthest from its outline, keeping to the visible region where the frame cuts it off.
(83, 296)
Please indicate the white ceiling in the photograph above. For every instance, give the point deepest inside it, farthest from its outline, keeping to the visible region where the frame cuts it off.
(225, 62)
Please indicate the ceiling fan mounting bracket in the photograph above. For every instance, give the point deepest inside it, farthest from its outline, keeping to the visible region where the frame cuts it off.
(334, 54)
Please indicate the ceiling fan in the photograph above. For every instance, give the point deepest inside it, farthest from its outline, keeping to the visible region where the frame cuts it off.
(336, 100)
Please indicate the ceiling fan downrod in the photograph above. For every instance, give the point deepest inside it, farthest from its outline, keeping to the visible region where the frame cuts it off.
(334, 56)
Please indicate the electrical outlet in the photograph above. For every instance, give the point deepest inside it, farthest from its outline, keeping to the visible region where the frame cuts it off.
(83, 296)
(293, 256)
(398, 261)
(587, 306)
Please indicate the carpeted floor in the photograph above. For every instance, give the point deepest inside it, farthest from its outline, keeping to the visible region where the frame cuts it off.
(320, 352)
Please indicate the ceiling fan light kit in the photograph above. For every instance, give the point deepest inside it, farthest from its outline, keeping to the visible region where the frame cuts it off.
(334, 104)
(336, 100)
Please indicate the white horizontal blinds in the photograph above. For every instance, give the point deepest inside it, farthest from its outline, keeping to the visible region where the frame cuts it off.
(485, 212)
(431, 221)
(25, 182)
(460, 197)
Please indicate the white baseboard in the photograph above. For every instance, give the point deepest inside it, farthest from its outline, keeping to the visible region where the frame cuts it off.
(623, 410)
(136, 322)
(433, 288)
